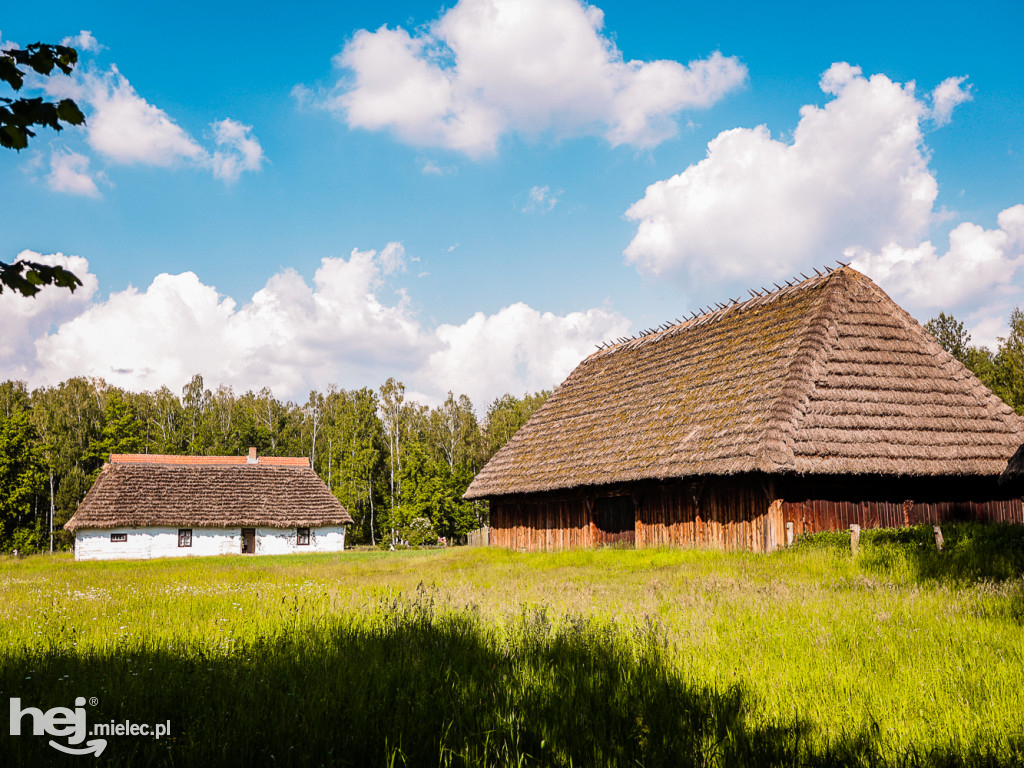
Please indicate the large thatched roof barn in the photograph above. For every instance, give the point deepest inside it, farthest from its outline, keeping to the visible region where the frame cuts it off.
(807, 408)
(144, 506)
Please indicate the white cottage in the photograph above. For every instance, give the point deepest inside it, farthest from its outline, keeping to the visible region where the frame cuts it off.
(145, 505)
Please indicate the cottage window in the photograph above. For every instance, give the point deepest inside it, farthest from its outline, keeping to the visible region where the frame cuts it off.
(302, 537)
(119, 537)
(184, 537)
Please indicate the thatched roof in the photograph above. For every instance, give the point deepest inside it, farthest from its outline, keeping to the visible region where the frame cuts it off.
(207, 491)
(827, 376)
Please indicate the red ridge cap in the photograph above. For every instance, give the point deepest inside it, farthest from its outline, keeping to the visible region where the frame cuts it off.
(157, 458)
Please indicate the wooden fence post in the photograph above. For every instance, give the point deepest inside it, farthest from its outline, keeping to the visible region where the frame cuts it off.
(854, 538)
(938, 538)
(789, 533)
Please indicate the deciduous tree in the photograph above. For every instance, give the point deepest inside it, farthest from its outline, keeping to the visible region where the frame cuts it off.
(950, 334)
(21, 483)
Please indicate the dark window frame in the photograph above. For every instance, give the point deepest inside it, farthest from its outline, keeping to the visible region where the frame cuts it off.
(184, 537)
(118, 537)
(302, 537)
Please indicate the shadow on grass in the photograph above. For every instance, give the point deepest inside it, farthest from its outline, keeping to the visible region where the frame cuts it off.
(971, 551)
(407, 686)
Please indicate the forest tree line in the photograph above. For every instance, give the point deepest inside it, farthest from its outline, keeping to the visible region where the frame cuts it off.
(399, 467)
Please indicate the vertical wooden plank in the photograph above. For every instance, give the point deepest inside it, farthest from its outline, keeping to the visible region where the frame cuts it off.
(775, 522)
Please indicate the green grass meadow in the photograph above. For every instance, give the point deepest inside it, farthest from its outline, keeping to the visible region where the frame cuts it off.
(806, 657)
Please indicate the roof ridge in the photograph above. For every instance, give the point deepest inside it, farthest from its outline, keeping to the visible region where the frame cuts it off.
(816, 340)
(205, 461)
(711, 314)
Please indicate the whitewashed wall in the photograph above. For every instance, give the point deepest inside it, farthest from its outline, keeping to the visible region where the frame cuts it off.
(146, 543)
(281, 541)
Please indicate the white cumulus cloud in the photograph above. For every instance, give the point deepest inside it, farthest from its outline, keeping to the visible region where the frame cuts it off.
(347, 327)
(517, 349)
(26, 319)
(486, 68)
(854, 174)
(126, 128)
(947, 95)
(123, 127)
(987, 329)
(237, 150)
(69, 172)
(979, 266)
(83, 42)
(289, 335)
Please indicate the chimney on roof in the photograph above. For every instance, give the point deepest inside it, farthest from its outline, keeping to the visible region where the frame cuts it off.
(252, 457)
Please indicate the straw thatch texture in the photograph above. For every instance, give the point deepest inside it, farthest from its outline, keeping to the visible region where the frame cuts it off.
(828, 376)
(207, 495)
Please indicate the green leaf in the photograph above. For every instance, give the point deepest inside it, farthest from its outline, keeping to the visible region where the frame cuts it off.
(10, 73)
(66, 59)
(69, 112)
(41, 62)
(13, 137)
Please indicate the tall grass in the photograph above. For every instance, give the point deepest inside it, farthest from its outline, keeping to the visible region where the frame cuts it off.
(970, 552)
(481, 657)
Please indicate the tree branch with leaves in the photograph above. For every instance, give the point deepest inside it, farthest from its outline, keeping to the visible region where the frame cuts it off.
(18, 117)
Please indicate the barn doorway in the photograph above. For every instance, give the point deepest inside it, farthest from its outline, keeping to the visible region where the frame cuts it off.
(615, 521)
(248, 541)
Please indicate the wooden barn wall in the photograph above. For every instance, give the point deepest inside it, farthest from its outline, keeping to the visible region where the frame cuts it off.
(748, 512)
(720, 514)
(831, 504)
(724, 514)
(541, 522)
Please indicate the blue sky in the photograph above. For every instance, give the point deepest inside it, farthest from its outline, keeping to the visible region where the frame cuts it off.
(469, 197)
